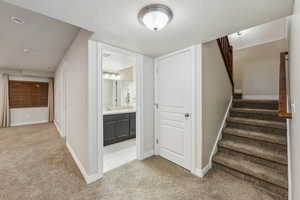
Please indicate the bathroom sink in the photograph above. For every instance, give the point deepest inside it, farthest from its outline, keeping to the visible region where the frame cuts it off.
(120, 108)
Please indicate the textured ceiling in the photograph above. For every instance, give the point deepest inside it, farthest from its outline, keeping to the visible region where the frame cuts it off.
(115, 21)
(47, 39)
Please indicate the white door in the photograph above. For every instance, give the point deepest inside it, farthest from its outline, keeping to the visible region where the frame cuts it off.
(174, 98)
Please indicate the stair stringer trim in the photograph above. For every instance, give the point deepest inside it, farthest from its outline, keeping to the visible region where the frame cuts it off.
(290, 190)
(223, 125)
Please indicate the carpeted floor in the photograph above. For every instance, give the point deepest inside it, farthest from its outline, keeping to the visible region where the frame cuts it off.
(35, 164)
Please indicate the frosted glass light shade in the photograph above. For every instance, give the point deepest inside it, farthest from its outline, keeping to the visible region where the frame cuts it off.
(155, 16)
(155, 20)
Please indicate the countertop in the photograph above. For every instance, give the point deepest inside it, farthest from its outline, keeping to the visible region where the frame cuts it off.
(114, 112)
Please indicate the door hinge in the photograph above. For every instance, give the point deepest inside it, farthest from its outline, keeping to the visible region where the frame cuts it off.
(156, 141)
(156, 105)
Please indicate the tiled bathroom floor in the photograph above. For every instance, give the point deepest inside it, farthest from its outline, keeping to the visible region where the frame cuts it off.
(119, 154)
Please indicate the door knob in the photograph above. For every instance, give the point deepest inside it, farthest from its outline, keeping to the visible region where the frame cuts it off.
(187, 115)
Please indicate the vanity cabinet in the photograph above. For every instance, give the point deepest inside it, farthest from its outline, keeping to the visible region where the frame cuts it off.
(132, 121)
(118, 127)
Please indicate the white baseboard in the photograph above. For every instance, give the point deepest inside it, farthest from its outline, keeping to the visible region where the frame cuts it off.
(267, 97)
(30, 123)
(58, 129)
(88, 178)
(219, 137)
(290, 186)
(202, 172)
(148, 154)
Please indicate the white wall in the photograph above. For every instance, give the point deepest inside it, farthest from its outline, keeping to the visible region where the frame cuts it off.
(256, 69)
(107, 93)
(127, 74)
(148, 104)
(216, 95)
(24, 116)
(59, 99)
(26, 73)
(1, 96)
(71, 82)
(294, 67)
(261, 34)
(78, 71)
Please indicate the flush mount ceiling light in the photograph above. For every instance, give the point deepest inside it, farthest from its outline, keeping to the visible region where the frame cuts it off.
(17, 20)
(26, 50)
(155, 16)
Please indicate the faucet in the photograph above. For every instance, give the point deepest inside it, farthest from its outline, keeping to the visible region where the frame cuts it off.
(128, 97)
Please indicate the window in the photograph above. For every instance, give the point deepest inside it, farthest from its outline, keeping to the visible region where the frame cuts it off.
(25, 94)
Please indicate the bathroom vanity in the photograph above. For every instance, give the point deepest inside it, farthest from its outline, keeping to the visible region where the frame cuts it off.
(118, 125)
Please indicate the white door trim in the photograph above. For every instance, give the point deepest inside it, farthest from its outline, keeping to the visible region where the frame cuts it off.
(64, 103)
(195, 77)
(139, 102)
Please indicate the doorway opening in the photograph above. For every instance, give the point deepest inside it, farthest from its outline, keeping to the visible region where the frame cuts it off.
(119, 108)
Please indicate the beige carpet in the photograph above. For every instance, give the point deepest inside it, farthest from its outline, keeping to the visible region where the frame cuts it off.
(35, 164)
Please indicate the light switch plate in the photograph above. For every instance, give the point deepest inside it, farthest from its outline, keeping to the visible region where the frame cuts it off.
(293, 107)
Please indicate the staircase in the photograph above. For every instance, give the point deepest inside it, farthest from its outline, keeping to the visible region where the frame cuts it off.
(254, 146)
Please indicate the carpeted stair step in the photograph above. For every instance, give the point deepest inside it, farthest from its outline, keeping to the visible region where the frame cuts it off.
(260, 114)
(237, 95)
(277, 193)
(244, 164)
(266, 137)
(280, 167)
(255, 104)
(257, 125)
(254, 146)
(264, 150)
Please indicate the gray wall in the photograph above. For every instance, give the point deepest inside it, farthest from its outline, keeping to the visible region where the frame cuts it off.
(294, 66)
(216, 95)
(73, 71)
(256, 68)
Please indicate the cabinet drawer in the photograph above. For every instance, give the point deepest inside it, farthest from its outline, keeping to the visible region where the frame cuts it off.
(115, 117)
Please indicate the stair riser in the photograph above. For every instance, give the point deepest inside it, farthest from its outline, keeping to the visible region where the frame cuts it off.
(255, 128)
(237, 96)
(278, 193)
(259, 138)
(255, 105)
(259, 116)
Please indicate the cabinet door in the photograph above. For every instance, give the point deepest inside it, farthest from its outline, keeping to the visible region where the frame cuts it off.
(108, 130)
(132, 124)
(122, 128)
